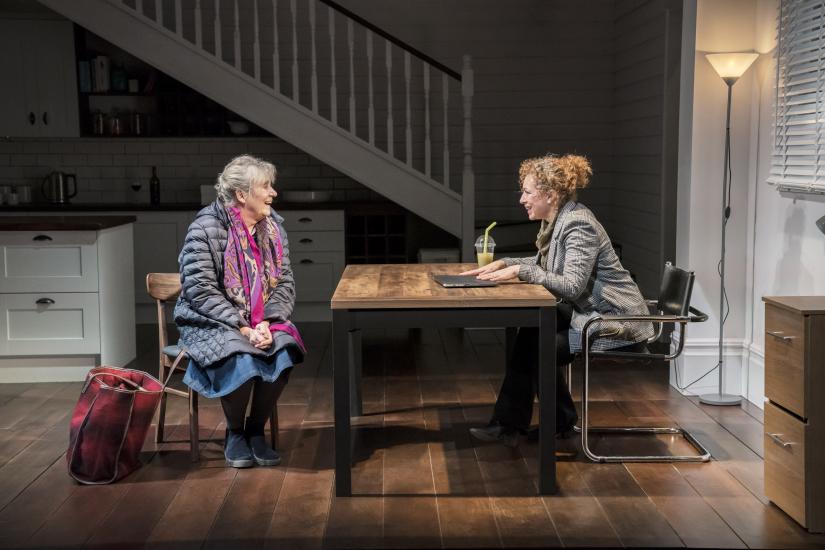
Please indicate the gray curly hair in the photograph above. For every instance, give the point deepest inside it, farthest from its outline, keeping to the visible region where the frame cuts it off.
(240, 174)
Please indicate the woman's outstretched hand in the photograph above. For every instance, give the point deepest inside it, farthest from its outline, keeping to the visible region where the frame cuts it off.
(492, 266)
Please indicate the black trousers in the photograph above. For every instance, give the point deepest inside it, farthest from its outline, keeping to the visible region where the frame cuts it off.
(514, 407)
(264, 397)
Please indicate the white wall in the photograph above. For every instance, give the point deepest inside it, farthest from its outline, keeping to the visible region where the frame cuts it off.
(773, 246)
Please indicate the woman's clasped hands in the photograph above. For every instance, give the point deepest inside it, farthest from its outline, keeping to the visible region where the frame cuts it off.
(494, 271)
(260, 336)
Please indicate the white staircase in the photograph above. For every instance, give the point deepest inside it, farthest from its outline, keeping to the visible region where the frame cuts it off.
(188, 40)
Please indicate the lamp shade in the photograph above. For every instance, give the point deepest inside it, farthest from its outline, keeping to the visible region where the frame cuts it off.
(731, 65)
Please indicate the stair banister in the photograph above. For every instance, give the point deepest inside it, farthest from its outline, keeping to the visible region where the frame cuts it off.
(467, 175)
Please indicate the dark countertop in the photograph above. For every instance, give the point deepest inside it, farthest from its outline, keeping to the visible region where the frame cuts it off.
(62, 223)
(168, 207)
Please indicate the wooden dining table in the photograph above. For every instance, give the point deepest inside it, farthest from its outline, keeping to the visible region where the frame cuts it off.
(393, 296)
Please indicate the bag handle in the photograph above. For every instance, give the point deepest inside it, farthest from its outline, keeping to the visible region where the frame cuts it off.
(134, 385)
(172, 370)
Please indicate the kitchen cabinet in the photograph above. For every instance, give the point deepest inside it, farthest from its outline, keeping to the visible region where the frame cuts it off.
(316, 250)
(66, 296)
(39, 94)
(795, 412)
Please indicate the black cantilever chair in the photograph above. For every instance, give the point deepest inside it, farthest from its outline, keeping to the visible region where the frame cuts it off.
(672, 307)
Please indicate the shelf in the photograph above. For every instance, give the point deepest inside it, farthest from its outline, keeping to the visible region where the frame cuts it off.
(115, 94)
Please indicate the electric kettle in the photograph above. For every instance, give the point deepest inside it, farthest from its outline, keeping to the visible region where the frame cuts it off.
(56, 188)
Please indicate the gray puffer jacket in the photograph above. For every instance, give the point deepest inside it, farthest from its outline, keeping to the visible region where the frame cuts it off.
(209, 323)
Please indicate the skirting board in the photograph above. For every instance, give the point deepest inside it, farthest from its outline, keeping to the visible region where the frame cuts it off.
(700, 356)
(45, 369)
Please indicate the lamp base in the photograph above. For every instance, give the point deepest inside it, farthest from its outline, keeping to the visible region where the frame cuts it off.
(723, 399)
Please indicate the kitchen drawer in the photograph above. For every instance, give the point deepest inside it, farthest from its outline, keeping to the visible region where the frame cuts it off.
(42, 261)
(316, 275)
(785, 358)
(49, 323)
(316, 241)
(312, 220)
(785, 461)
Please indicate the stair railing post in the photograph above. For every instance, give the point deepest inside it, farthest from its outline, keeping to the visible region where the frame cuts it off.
(276, 53)
(370, 94)
(428, 155)
(139, 6)
(351, 47)
(445, 96)
(256, 47)
(237, 37)
(333, 90)
(217, 27)
(198, 24)
(178, 18)
(390, 138)
(313, 82)
(295, 97)
(159, 12)
(408, 127)
(467, 175)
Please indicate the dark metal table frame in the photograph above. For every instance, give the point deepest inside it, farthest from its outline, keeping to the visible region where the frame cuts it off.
(346, 364)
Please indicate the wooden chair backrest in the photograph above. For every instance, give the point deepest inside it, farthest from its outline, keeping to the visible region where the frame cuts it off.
(163, 287)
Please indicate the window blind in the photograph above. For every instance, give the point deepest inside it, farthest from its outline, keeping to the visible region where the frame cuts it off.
(798, 162)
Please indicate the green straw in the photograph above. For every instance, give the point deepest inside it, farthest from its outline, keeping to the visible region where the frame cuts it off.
(486, 235)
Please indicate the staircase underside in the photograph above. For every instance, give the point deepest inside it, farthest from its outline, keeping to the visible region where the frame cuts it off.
(272, 111)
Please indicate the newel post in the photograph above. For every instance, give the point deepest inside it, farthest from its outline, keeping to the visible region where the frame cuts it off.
(468, 187)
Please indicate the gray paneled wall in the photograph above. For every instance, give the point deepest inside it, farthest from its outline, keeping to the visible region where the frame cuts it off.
(641, 215)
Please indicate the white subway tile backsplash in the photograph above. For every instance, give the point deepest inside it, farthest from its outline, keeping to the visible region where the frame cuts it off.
(4, 159)
(23, 160)
(175, 160)
(62, 147)
(100, 160)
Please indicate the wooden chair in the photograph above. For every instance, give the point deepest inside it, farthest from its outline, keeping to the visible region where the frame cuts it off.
(165, 287)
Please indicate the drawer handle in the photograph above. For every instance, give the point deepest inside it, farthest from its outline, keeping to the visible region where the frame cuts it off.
(304, 219)
(778, 440)
(780, 335)
(306, 261)
(45, 302)
(42, 238)
(305, 241)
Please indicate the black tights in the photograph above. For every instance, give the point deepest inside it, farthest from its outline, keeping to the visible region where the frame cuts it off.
(514, 407)
(264, 398)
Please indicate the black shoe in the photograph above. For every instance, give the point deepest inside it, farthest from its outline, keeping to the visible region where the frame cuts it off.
(237, 451)
(561, 433)
(496, 432)
(262, 453)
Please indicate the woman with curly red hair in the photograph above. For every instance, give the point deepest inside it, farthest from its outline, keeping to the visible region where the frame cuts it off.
(577, 263)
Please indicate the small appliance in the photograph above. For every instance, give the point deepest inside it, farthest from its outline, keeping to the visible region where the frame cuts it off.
(59, 187)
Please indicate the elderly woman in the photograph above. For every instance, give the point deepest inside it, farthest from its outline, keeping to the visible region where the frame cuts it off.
(577, 263)
(237, 294)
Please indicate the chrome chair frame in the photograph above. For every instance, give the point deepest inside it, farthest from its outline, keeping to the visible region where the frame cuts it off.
(695, 316)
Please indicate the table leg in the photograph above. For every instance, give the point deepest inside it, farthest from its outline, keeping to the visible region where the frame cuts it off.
(547, 400)
(356, 406)
(341, 367)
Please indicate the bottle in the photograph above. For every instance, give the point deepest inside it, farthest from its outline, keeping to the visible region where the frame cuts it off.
(154, 187)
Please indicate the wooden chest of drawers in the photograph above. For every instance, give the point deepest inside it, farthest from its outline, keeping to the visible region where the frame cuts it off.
(795, 414)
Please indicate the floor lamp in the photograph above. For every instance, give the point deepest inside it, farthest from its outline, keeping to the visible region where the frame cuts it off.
(729, 66)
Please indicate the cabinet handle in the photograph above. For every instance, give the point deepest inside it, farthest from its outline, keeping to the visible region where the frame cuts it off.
(45, 302)
(45, 118)
(780, 335)
(304, 219)
(42, 238)
(305, 241)
(32, 118)
(778, 440)
(306, 261)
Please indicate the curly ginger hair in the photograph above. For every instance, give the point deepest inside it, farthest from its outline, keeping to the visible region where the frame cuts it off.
(563, 175)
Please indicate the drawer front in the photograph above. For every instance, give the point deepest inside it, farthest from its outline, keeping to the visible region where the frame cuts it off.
(312, 220)
(316, 241)
(57, 261)
(785, 462)
(785, 359)
(49, 324)
(316, 275)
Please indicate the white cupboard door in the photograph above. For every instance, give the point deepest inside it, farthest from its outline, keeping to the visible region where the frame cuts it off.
(316, 275)
(56, 261)
(55, 75)
(49, 323)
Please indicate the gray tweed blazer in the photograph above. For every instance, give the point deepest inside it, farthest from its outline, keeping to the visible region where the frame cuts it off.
(582, 269)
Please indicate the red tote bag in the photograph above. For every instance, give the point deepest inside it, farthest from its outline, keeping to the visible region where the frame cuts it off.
(110, 422)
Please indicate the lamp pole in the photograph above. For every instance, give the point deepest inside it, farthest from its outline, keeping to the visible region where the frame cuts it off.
(722, 398)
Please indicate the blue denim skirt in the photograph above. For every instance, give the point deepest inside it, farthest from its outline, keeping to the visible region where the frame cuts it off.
(227, 375)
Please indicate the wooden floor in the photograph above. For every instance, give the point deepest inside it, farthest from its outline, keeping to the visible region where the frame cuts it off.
(420, 480)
